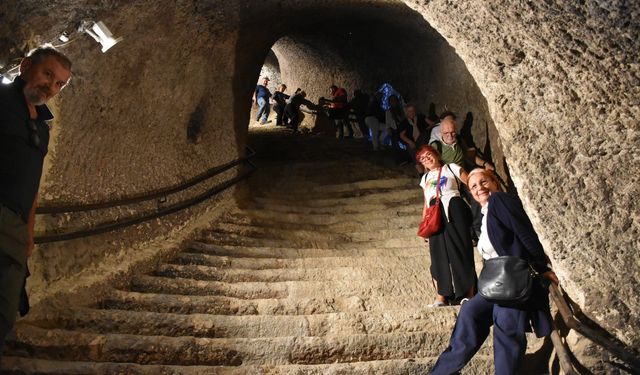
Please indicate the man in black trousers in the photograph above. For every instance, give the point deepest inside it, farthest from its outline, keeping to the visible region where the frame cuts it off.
(24, 140)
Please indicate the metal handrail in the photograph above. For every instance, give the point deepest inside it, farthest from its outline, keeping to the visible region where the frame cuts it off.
(563, 353)
(137, 198)
(600, 337)
(129, 221)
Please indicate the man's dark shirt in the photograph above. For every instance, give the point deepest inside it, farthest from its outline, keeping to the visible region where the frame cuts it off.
(405, 125)
(262, 92)
(280, 98)
(374, 109)
(20, 161)
(359, 104)
(297, 100)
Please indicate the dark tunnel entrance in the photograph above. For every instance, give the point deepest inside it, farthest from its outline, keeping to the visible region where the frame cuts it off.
(360, 49)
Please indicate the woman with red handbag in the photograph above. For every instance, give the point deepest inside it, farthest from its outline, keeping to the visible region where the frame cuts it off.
(450, 247)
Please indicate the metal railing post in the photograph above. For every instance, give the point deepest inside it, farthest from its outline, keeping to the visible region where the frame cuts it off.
(600, 337)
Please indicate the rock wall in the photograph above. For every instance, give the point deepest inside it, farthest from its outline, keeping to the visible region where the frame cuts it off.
(271, 69)
(561, 80)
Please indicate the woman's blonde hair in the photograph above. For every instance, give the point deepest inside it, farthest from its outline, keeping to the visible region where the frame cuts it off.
(490, 175)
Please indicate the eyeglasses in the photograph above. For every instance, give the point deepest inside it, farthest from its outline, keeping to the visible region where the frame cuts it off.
(34, 138)
(426, 155)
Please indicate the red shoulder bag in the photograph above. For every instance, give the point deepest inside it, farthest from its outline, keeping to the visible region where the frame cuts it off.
(432, 220)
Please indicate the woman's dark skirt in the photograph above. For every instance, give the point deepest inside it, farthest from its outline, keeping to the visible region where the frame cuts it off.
(452, 264)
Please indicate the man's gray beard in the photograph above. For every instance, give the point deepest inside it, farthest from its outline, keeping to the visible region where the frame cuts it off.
(33, 97)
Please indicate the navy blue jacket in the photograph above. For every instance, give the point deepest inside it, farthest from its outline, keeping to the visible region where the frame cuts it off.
(262, 92)
(511, 233)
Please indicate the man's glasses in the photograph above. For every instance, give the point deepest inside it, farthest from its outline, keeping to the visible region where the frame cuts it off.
(34, 138)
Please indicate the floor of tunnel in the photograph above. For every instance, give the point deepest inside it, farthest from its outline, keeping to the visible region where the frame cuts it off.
(320, 271)
(280, 144)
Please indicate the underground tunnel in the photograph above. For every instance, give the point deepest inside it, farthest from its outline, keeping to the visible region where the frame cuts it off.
(553, 88)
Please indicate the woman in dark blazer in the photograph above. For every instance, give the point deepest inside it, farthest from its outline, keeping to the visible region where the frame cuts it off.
(506, 230)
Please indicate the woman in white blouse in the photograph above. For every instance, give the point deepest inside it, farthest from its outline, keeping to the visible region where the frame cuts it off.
(451, 249)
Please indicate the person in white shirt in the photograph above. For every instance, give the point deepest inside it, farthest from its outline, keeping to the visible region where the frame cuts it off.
(451, 249)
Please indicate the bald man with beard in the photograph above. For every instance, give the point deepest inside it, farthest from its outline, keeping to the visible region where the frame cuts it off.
(444, 138)
(452, 148)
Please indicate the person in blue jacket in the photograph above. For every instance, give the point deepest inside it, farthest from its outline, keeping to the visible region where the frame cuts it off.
(261, 98)
(506, 230)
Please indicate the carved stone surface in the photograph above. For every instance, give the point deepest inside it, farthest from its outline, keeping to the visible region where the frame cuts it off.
(560, 79)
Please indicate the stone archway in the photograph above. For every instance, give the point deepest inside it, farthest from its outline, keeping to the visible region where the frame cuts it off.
(271, 68)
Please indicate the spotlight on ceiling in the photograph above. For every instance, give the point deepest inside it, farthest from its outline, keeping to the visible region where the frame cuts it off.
(10, 75)
(100, 33)
(64, 37)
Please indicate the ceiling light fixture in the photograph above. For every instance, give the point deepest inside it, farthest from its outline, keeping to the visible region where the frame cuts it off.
(100, 32)
(64, 37)
(10, 75)
(97, 30)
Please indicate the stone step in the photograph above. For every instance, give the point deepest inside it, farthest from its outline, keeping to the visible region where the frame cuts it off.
(480, 364)
(383, 285)
(98, 321)
(388, 183)
(328, 223)
(234, 251)
(389, 199)
(154, 284)
(316, 182)
(221, 305)
(323, 164)
(314, 192)
(356, 198)
(57, 344)
(331, 174)
(226, 231)
(389, 207)
(400, 212)
(231, 239)
(227, 262)
(353, 273)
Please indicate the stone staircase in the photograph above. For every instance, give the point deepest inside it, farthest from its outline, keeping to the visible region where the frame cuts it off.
(320, 272)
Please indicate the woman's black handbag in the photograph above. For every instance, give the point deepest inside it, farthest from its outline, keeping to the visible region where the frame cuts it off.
(506, 280)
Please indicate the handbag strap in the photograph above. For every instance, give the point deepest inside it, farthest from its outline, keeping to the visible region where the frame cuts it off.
(456, 177)
(438, 184)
